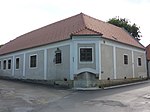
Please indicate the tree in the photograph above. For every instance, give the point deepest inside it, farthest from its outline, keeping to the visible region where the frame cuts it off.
(133, 29)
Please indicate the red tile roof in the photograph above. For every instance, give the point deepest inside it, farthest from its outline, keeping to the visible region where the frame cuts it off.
(148, 52)
(61, 30)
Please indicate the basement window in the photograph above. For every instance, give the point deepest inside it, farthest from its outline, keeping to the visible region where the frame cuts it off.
(125, 59)
(86, 55)
(33, 61)
(9, 64)
(58, 58)
(4, 64)
(139, 62)
(17, 63)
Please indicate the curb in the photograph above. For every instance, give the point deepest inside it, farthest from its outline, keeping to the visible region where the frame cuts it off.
(129, 84)
(87, 89)
(111, 87)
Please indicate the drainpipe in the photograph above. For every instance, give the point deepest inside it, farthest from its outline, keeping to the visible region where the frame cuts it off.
(148, 70)
(147, 61)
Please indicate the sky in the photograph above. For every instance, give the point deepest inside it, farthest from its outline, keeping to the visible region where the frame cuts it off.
(18, 17)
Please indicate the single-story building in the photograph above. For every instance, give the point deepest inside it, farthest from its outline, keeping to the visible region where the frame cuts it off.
(148, 58)
(80, 49)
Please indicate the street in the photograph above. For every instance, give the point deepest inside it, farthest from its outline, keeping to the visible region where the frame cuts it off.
(26, 97)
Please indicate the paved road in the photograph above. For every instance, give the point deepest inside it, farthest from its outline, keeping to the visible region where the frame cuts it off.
(26, 97)
(126, 99)
(22, 97)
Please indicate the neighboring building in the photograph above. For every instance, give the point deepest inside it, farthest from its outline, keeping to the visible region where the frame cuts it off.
(148, 58)
(81, 49)
(1, 46)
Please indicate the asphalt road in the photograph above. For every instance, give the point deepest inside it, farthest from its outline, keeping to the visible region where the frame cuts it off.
(23, 97)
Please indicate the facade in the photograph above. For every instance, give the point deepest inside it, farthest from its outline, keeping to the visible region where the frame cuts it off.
(81, 49)
(148, 58)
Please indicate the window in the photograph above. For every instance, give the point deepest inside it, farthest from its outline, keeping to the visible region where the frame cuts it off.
(17, 63)
(33, 61)
(4, 64)
(9, 64)
(139, 62)
(58, 56)
(85, 54)
(0, 65)
(125, 59)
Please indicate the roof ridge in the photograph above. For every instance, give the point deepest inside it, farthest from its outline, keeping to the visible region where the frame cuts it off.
(83, 19)
(101, 21)
(86, 26)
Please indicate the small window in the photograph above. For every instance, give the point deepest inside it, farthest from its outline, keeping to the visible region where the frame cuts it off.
(33, 61)
(139, 62)
(125, 59)
(85, 54)
(17, 63)
(58, 56)
(0, 65)
(9, 64)
(4, 64)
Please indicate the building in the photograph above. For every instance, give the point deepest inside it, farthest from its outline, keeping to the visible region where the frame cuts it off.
(80, 49)
(148, 58)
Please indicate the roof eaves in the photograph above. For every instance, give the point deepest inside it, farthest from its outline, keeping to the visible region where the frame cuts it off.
(94, 31)
(123, 43)
(34, 47)
(73, 33)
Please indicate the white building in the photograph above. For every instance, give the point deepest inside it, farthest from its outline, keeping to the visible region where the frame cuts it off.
(81, 49)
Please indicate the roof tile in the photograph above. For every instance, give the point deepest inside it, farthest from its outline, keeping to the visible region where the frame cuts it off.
(61, 30)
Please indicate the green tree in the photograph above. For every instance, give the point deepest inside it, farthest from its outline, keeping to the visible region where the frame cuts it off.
(133, 29)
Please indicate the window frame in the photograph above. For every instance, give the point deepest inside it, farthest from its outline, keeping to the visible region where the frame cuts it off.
(60, 60)
(138, 62)
(16, 63)
(9, 67)
(30, 61)
(4, 67)
(58, 51)
(0, 64)
(92, 55)
(124, 59)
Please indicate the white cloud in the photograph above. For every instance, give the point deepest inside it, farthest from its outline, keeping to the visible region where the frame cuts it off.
(21, 16)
